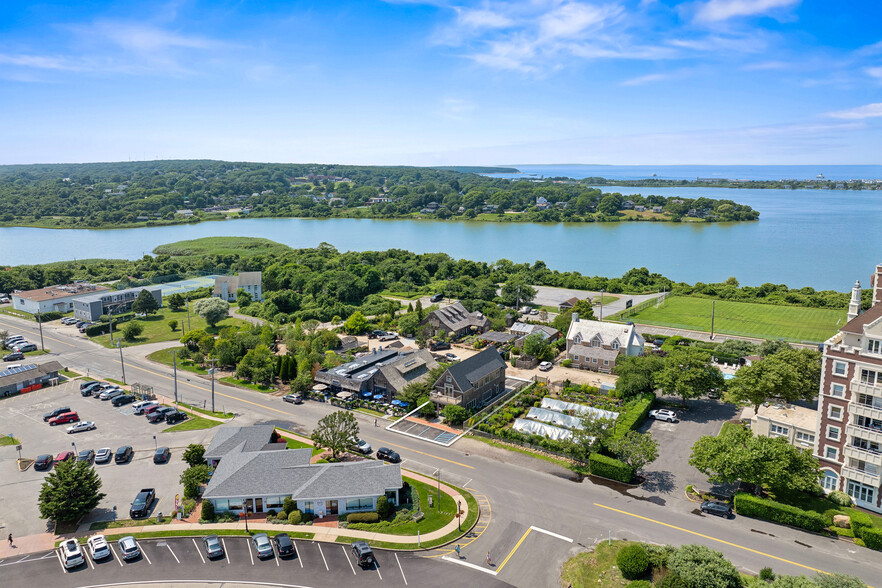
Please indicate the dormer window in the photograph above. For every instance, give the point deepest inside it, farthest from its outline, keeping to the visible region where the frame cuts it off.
(596, 341)
(874, 346)
(615, 345)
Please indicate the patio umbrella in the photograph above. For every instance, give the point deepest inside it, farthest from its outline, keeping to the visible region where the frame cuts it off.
(366, 394)
(378, 397)
(395, 403)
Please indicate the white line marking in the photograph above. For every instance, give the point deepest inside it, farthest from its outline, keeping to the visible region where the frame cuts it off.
(346, 555)
(466, 485)
(402, 569)
(297, 553)
(61, 563)
(199, 551)
(250, 551)
(89, 559)
(226, 553)
(276, 557)
(173, 553)
(50, 554)
(22, 559)
(115, 556)
(144, 553)
(469, 565)
(323, 557)
(377, 567)
(561, 537)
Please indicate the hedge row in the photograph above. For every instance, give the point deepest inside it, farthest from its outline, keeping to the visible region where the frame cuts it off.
(362, 517)
(607, 467)
(784, 514)
(635, 415)
(859, 522)
(104, 328)
(872, 537)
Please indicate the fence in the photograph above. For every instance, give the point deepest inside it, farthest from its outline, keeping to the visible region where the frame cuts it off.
(527, 445)
(628, 312)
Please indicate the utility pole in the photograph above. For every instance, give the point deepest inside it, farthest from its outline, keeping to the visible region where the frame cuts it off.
(212, 383)
(122, 364)
(601, 306)
(713, 312)
(175, 366)
(438, 473)
(40, 322)
(188, 315)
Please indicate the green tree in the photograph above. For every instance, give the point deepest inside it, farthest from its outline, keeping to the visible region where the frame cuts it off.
(243, 298)
(688, 373)
(592, 437)
(213, 310)
(788, 375)
(771, 347)
(225, 352)
(700, 566)
(207, 511)
(191, 339)
(356, 324)
(192, 477)
(517, 290)
(635, 449)
(455, 414)
(418, 308)
(175, 302)
(537, 346)
(637, 374)
(173, 325)
(408, 323)
(70, 492)
(562, 321)
(131, 330)
(194, 454)
(336, 431)
(145, 303)
(256, 365)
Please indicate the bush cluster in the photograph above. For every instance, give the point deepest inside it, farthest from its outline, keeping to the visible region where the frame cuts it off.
(872, 537)
(839, 498)
(294, 517)
(608, 467)
(632, 561)
(634, 414)
(859, 522)
(769, 510)
(207, 510)
(362, 517)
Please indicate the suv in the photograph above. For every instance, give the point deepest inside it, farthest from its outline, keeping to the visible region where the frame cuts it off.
(175, 417)
(663, 414)
(99, 547)
(71, 554)
(14, 356)
(436, 298)
(24, 347)
(262, 545)
(387, 454)
(293, 398)
(389, 337)
(89, 388)
(142, 503)
(142, 406)
(57, 412)
(157, 416)
(362, 447)
(122, 399)
(363, 554)
(129, 548)
(376, 333)
(721, 509)
(284, 544)
(123, 454)
(545, 366)
(439, 345)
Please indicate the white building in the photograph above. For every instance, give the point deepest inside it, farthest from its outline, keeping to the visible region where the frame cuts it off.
(226, 287)
(595, 345)
(52, 298)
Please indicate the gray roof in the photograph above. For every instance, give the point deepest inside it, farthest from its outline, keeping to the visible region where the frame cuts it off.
(289, 473)
(99, 296)
(469, 371)
(25, 375)
(226, 439)
(455, 318)
(410, 368)
(598, 352)
(498, 337)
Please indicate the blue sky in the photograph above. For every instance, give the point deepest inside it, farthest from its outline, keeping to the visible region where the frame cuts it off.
(438, 82)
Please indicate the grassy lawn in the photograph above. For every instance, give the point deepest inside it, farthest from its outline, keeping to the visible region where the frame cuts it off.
(246, 384)
(375, 413)
(164, 356)
(767, 321)
(220, 415)
(118, 382)
(192, 424)
(595, 569)
(156, 328)
(240, 246)
(295, 444)
(123, 523)
(434, 517)
(7, 440)
(70, 374)
(821, 506)
(607, 299)
(17, 313)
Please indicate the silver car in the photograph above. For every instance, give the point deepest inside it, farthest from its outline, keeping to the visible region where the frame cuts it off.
(129, 547)
(213, 547)
(262, 545)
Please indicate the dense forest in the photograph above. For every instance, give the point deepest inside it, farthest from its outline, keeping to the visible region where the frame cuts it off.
(817, 184)
(164, 192)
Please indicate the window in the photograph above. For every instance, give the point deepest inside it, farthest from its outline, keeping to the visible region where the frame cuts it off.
(833, 433)
(870, 377)
(839, 368)
(835, 412)
(593, 360)
(865, 444)
(221, 505)
(306, 506)
(576, 358)
(869, 423)
(274, 501)
(778, 430)
(860, 492)
(605, 362)
(830, 481)
(595, 343)
(874, 345)
(357, 504)
(615, 345)
(832, 453)
(805, 437)
(837, 390)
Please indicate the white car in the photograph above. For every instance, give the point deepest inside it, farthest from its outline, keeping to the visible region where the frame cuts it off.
(545, 366)
(129, 547)
(663, 414)
(71, 554)
(140, 407)
(98, 547)
(80, 426)
(103, 455)
(363, 446)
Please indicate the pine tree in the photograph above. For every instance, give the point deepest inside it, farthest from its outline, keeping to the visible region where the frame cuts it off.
(70, 492)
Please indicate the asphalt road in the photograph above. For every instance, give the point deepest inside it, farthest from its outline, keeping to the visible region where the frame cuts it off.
(523, 499)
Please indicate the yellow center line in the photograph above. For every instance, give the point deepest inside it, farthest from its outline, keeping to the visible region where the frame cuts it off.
(511, 553)
(712, 539)
(430, 455)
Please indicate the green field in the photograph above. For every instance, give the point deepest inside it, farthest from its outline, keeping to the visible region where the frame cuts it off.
(242, 246)
(764, 321)
(156, 327)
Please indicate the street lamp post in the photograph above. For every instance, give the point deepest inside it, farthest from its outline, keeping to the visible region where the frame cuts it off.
(212, 383)
(458, 516)
(155, 446)
(74, 445)
(40, 322)
(121, 362)
(601, 305)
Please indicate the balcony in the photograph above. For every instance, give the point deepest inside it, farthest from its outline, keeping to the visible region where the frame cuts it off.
(874, 435)
(443, 399)
(858, 409)
(860, 476)
(859, 388)
(869, 457)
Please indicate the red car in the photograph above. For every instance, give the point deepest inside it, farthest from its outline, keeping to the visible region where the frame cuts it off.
(64, 456)
(68, 417)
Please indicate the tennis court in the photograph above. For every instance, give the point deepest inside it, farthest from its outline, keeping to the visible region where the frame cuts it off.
(188, 285)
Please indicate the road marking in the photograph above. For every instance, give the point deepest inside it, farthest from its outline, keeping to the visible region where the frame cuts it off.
(512, 552)
(61, 563)
(173, 553)
(323, 557)
(377, 567)
(117, 558)
(22, 559)
(466, 485)
(199, 551)
(712, 539)
(561, 537)
(226, 553)
(250, 551)
(276, 556)
(401, 569)
(144, 553)
(469, 565)
(297, 553)
(478, 498)
(346, 555)
(430, 455)
(89, 559)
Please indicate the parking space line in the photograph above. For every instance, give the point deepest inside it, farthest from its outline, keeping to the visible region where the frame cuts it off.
(173, 553)
(403, 577)
(144, 553)
(22, 559)
(61, 563)
(276, 556)
(561, 537)
(250, 551)
(117, 558)
(469, 565)
(198, 550)
(377, 567)
(297, 553)
(346, 555)
(430, 455)
(226, 553)
(89, 559)
(512, 552)
(323, 557)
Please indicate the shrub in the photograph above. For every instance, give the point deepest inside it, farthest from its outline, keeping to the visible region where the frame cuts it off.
(568, 363)
(99, 329)
(294, 517)
(362, 517)
(658, 555)
(384, 507)
(671, 580)
(766, 574)
(132, 330)
(640, 584)
(783, 514)
(632, 561)
(701, 566)
(634, 414)
(872, 537)
(839, 498)
(607, 467)
(859, 522)
(207, 510)
(288, 505)
(271, 513)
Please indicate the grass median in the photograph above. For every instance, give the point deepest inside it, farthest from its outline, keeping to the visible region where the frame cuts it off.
(193, 423)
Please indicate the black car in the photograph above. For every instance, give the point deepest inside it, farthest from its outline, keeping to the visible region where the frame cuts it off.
(721, 509)
(284, 544)
(58, 411)
(438, 346)
(158, 416)
(44, 462)
(123, 454)
(363, 553)
(121, 400)
(387, 454)
(89, 388)
(14, 356)
(437, 298)
(86, 455)
(162, 455)
(175, 417)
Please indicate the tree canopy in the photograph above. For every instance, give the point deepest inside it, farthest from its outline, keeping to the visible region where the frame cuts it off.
(688, 373)
(337, 431)
(213, 310)
(70, 492)
(145, 303)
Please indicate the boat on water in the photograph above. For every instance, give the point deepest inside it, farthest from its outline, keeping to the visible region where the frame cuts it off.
(820, 176)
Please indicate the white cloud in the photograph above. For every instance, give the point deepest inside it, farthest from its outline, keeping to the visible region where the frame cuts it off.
(859, 113)
(40, 62)
(876, 72)
(766, 66)
(483, 19)
(456, 108)
(640, 80)
(572, 19)
(720, 10)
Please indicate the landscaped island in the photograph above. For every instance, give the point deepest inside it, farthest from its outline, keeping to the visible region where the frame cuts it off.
(131, 194)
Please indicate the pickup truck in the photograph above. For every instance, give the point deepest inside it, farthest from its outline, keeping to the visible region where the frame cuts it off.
(143, 502)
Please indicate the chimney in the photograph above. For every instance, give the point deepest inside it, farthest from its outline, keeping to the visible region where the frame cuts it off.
(877, 285)
(575, 317)
(854, 305)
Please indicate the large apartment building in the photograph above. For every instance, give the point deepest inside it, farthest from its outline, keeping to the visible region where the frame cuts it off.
(849, 440)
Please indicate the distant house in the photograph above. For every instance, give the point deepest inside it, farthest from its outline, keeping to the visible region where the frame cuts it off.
(185, 212)
(541, 203)
(391, 378)
(226, 287)
(378, 200)
(490, 208)
(524, 330)
(594, 345)
(456, 321)
(58, 298)
(90, 307)
(627, 205)
(356, 376)
(473, 382)
(657, 209)
(751, 359)
(570, 303)
(432, 206)
(639, 208)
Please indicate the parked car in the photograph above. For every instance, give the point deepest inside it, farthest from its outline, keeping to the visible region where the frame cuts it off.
(98, 547)
(721, 509)
(86, 455)
(451, 356)
(162, 455)
(64, 456)
(103, 455)
(67, 417)
(141, 405)
(142, 503)
(363, 553)
(89, 388)
(438, 345)
(545, 366)
(389, 337)
(71, 555)
(122, 400)
(362, 446)
(663, 414)
(58, 411)
(69, 320)
(123, 454)
(80, 427)
(387, 454)
(111, 393)
(158, 416)
(24, 347)
(175, 417)
(262, 545)
(4, 300)
(128, 547)
(534, 311)
(151, 408)
(44, 462)
(82, 328)
(293, 398)
(436, 298)
(13, 339)
(213, 547)
(284, 544)
(14, 356)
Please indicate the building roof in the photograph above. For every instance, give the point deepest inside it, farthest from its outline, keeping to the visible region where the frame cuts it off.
(62, 291)
(99, 297)
(28, 372)
(455, 317)
(250, 278)
(226, 439)
(585, 330)
(856, 325)
(470, 371)
(599, 352)
(790, 414)
(410, 368)
(359, 370)
(498, 337)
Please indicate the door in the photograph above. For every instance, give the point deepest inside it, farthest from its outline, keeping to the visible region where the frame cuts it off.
(332, 507)
(249, 505)
(258, 505)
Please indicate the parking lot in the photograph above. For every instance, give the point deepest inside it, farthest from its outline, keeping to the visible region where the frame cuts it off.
(22, 417)
(183, 558)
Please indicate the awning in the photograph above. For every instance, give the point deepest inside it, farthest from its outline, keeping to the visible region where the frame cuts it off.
(320, 387)
(344, 395)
